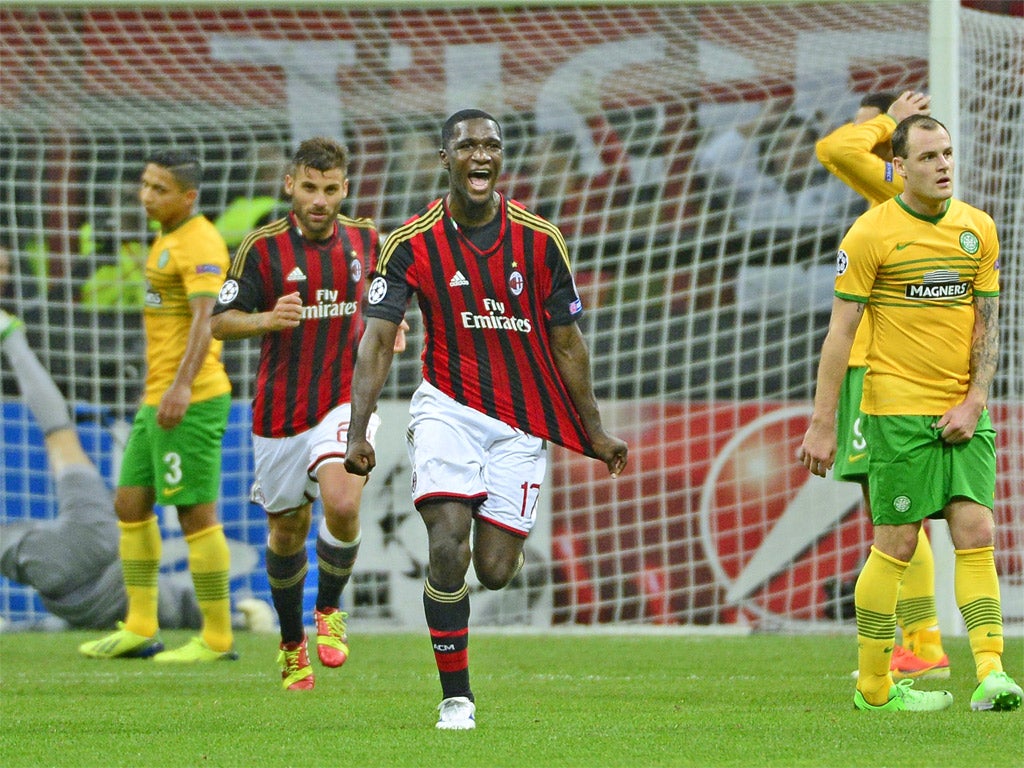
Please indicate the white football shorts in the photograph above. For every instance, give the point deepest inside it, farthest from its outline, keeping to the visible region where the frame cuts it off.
(286, 467)
(459, 453)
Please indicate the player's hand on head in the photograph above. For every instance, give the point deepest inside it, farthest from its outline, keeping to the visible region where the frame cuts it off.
(910, 103)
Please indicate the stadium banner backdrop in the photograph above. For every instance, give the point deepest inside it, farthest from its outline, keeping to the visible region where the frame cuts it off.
(737, 532)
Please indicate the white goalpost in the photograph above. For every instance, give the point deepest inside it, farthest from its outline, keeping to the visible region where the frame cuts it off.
(673, 144)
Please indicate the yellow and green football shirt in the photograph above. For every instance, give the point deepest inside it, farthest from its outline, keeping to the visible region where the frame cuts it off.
(187, 262)
(847, 154)
(919, 276)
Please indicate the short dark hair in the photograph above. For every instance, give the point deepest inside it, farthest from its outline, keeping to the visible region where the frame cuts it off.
(463, 114)
(320, 154)
(183, 164)
(880, 100)
(900, 136)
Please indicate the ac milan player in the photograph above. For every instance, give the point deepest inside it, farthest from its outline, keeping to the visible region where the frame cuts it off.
(298, 282)
(505, 369)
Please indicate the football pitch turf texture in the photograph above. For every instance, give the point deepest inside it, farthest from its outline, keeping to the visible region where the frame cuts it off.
(564, 699)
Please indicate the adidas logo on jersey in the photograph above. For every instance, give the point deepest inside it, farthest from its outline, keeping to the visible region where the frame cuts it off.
(295, 276)
(458, 280)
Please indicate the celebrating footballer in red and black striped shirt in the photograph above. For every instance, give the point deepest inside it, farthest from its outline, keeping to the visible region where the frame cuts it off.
(505, 369)
(298, 282)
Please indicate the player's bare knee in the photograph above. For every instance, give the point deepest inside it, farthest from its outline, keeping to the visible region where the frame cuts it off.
(490, 582)
(896, 541)
(494, 570)
(449, 562)
(339, 506)
(134, 505)
(971, 526)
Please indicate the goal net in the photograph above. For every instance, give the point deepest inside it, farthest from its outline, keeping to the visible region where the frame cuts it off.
(672, 143)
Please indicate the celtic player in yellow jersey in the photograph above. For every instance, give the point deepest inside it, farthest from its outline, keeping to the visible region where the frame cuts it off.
(859, 153)
(173, 456)
(925, 266)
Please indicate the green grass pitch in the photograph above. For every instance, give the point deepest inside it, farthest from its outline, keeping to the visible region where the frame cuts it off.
(565, 699)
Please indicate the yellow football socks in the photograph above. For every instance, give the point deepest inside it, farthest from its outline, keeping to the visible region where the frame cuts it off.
(875, 595)
(915, 610)
(208, 560)
(976, 585)
(140, 558)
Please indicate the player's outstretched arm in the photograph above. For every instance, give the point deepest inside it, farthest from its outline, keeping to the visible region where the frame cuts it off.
(44, 398)
(376, 350)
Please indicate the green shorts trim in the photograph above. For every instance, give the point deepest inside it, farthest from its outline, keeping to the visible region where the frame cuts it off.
(182, 464)
(851, 462)
(913, 473)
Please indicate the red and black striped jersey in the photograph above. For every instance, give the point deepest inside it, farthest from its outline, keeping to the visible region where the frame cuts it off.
(487, 314)
(305, 371)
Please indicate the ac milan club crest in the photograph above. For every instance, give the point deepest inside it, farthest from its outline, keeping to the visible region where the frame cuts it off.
(516, 282)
